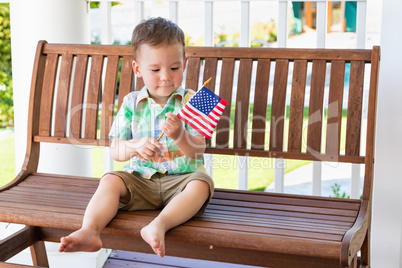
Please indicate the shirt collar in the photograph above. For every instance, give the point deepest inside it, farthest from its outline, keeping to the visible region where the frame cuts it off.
(143, 95)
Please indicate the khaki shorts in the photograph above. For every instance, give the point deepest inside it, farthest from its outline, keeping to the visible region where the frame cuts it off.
(156, 192)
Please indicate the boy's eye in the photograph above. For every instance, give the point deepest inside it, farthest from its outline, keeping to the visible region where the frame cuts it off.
(175, 68)
(155, 70)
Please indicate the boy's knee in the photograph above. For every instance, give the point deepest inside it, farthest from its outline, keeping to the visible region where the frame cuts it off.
(111, 180)
(199, 186)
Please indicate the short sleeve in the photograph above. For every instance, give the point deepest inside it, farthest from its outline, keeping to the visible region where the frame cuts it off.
(121, 127)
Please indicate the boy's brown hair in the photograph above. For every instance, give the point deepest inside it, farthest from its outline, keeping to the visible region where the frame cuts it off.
(155, 32)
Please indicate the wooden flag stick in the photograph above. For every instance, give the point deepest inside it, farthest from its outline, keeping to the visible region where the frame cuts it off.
(205, 84)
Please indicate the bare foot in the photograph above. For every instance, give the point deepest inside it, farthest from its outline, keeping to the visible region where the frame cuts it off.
(82, 240)
(155, 237)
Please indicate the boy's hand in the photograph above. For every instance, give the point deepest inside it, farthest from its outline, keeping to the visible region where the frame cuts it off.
(173, 127)
(148, 147)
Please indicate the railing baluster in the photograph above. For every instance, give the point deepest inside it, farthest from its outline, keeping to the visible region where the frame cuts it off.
(209, 23)
(321, 23)
(245, 24)
(174, 11)
(139, 12)
(283, 24)
(361, 24)
(106, 22)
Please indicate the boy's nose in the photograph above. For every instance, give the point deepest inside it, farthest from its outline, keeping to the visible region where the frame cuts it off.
(165, 75)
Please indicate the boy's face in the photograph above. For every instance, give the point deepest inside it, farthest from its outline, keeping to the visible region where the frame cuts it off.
(161, 68)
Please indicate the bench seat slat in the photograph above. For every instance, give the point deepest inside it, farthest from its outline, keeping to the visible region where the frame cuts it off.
(218, 208)
(290, 199)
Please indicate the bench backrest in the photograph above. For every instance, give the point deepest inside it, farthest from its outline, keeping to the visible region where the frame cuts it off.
(308, 104)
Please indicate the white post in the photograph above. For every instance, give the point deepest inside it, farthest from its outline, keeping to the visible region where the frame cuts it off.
(386, 228)
(106, 21)
(355, 181)
(317, 177)
(209, 23)
(321, 23)
(243, 172)
(361, 24)
(174, 11)
(245, 24)
(63, 21)
(244, 42)
(279, 175)
(283, 24)
(139, 12)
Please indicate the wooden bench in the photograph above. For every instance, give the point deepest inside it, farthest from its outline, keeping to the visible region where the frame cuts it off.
(247, 227)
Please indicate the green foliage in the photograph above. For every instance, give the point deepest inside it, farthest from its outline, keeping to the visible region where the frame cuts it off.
(266, 32)
(7, 160)
(336, 189)
(96, 4)
(6, 90)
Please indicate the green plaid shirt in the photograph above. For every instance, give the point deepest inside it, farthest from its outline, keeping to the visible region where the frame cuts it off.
(140, 116)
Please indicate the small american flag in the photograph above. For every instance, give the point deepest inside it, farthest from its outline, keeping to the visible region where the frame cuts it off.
(203, 111)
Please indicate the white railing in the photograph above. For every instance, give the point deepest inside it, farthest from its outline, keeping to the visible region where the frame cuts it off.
(282, 40)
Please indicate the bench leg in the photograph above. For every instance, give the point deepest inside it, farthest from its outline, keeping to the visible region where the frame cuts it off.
(365, 252)
(38, 253)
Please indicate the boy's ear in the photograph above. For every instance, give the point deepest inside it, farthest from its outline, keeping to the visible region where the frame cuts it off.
(136, 69)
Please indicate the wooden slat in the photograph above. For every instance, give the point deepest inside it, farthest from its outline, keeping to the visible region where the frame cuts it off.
(108, 97)
(242, 104)
(225, 92)
(62, 95)
(278, 106)
(126, 79)
(260, 104)
(280, 53)
(355, 100)
(77, 97)
(296, 110)
(316, 107)
(91, 106)
(226, 52)
(210, 68)
(192, 75)
(46, 107)
(335, 100)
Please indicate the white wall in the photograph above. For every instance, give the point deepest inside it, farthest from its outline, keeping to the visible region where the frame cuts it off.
(55, 21)
(387, 199)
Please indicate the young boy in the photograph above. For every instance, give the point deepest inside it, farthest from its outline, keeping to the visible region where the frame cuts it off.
(162, 174)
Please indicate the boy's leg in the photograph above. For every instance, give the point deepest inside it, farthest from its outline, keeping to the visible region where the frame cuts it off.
(100, 211)
(179, 210)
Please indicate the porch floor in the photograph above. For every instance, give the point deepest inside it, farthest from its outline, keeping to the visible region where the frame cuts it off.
(120, 258)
